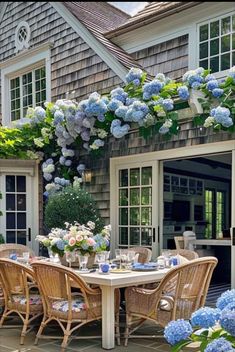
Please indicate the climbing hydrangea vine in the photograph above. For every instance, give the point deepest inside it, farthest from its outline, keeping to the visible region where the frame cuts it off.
(57, 132)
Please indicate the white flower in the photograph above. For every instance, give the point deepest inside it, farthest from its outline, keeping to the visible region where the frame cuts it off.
(38, 142)
(167, 123)
(209, 122)
(49, 168)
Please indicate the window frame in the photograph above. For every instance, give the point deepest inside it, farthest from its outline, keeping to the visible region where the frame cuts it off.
(209, 20)
(21, 85)
(23, 63)
(214, 212)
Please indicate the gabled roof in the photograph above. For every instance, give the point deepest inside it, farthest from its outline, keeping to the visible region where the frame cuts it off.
(97, 17)
(152, 12)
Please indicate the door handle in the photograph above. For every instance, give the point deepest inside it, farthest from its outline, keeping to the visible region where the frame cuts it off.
(29, 233)
(154, 234)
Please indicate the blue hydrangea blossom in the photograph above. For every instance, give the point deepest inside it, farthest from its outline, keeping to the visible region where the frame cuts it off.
(177, 330)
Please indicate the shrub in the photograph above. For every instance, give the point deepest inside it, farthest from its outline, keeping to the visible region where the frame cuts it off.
(69, 205)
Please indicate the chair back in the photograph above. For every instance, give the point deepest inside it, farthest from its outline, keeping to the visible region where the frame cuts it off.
(19, 249)
(145, 254)
(55, 283)
(186, 253)
(179, 242)
(14, 278)
(187, 285)
(188, 236)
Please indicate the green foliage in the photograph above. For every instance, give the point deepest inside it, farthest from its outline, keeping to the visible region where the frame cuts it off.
(69, 205)
(1, 239)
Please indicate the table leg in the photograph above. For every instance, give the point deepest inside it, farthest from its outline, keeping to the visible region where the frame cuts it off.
(108, 317)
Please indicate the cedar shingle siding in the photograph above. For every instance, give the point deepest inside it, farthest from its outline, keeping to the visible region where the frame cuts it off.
(170, 58)
(74, 65)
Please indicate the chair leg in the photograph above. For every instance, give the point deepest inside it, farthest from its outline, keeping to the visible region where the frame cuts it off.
(23, 333)
(67, 333)
(3, 317)
(126, 335)
(40, 330)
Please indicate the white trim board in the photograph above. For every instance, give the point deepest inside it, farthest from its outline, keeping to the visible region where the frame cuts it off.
(171, 154)
(88, 37)
(172, 27)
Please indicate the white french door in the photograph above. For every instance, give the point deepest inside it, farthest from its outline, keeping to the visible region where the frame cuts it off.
(134, 209)
(16, 202)
(19, 206)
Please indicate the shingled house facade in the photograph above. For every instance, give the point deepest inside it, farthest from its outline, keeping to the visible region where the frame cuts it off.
(71, 49)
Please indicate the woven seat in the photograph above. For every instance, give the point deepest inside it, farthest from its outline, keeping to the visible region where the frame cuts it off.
(182, 291)
(19, 249)
(55, 284)
(16, 280)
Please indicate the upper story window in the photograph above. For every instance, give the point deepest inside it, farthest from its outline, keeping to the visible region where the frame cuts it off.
(25, 82)
(27, 90)
(217, 43)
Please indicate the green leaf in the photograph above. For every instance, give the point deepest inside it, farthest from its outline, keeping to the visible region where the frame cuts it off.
(180, 345)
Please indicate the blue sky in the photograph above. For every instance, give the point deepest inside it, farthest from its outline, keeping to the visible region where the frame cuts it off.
(130, 7)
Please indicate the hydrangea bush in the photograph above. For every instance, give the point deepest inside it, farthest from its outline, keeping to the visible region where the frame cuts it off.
(212, 328)
(56, 133)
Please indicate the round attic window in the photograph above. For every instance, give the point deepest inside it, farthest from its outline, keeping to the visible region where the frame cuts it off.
(22, 36)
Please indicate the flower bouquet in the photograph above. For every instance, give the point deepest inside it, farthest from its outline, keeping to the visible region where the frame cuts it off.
(54, 241)
(212, 329)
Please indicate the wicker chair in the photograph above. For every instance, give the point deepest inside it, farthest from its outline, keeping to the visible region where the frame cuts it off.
(145, 254)
(190, 255)
(55, 283)
(16, 280)
(182, 291)
(179, 242)
(8, 248)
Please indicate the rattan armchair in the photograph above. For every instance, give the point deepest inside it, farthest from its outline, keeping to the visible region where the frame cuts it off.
(55, 283)
(8, 248)
(16, 282)
(182, 291)
(179, 242)
(190, 255)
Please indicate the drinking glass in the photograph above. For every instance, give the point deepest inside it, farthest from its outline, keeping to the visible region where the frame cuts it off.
(101, 259)
(83, 259)
(130, 258)
(26, 256)
(70, 258)
(118, 255)
(123, 260)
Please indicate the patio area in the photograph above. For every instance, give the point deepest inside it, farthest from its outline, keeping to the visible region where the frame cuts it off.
(10, 337)
(9, 340)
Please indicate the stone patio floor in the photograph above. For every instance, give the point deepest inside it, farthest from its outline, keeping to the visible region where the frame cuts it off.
(10, 337)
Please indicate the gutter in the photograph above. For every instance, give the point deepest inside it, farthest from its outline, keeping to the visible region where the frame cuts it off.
(137, 23)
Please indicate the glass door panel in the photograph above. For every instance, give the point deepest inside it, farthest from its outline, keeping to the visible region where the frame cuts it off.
(136, 222)
(16, 209)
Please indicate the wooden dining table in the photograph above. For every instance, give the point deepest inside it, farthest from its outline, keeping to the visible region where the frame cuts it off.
(108, 283)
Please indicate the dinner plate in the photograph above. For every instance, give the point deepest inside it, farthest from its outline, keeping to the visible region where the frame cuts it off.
(120, 271)
(145, 269)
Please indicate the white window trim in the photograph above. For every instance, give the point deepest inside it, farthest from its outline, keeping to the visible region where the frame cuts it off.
(21, 63)
(210, 19)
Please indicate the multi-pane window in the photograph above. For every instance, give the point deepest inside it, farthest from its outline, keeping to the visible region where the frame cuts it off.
(135, 206)
(217, 43)
(16, 227)
(27, 90)
(215, 212)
